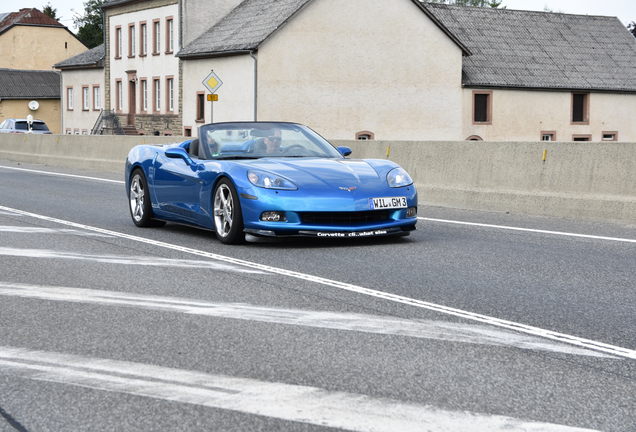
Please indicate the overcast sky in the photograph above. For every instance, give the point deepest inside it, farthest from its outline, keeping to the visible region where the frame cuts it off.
(624, 9)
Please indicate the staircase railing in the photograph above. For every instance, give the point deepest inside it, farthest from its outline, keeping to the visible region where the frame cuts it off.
(107, 124)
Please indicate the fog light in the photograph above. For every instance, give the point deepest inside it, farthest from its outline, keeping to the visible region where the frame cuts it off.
(273, 216)
(411, 212)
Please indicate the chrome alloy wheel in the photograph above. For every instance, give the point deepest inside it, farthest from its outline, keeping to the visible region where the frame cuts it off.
(223, 210)
(137, 196)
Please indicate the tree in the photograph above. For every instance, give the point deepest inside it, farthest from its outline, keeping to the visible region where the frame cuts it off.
(474, 3)
(632, 27)
(48, 10)
(90, 25)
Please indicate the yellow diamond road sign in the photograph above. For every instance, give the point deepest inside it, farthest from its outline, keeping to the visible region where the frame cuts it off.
(212, 82)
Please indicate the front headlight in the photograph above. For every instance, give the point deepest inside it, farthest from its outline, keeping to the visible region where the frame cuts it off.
(270, 181)
(397, 177)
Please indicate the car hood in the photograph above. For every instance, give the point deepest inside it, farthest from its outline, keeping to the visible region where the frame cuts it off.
(329, 173)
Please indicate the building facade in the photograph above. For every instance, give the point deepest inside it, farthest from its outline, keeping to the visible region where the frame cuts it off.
(30, 92)
(359, 69)
(82, 91)
(141, 70)
(31, 40)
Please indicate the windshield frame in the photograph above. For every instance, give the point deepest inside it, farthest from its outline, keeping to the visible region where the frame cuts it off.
(329, 151)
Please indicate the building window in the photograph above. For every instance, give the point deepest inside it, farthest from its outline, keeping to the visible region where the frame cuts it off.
(85, 98)
(118, 42)
(170, 93)
(119, 96)
(187, 131)
(97, 98)
(581, 137)
(169, 35)
(157, 94)
(365, 136)
(548, 136)
(156, 37)
(69, 98)
(482, 107)
(581, 108)
(610, 136)
(69, 132)
(132, 40)
(144, 94)
(143, 39)
(200, 107)
(474, 138)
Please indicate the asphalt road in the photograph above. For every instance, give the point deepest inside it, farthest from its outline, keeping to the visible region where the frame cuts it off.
(105, 326)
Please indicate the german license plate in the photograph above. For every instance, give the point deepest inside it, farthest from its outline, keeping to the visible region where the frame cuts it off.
(387, 203)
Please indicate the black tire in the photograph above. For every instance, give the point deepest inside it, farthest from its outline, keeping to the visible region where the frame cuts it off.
(139, 201)
(227, 214)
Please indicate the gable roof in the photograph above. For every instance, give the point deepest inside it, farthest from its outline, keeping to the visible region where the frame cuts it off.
(27, 16)
(89, 59)
(525, 49)
(29, 84)
(245, 28)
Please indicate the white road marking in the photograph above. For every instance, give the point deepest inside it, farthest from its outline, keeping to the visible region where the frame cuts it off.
(384, 325)
(510, 325)
(538, 231)
(311, 405)
(125, 260)
(503, 227)
(61, 174)
(42, 230)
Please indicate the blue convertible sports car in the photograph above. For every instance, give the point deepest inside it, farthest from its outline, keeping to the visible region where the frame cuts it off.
(268, 179)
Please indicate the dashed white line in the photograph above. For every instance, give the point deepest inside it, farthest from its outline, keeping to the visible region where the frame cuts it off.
(52, 173)
(298, 403)
(42, 230)
(503, 227)
(530, 230)
(352, 322)
(511, 325)
(124, 260)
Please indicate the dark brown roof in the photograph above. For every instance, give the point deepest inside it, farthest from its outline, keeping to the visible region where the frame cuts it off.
(89, 59)
(29, 84)
(27, 16)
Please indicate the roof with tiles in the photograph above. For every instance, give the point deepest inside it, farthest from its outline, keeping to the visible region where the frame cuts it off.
(29, 84)
(524, 49)
(92, 58)
(245, 28)
(29, 16)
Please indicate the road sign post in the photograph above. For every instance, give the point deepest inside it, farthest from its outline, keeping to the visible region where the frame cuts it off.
(212, 82)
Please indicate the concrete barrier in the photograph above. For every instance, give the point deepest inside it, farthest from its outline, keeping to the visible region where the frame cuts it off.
(576, 180)
(102, 153)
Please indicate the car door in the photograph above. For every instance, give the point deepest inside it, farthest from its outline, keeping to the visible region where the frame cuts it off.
(177, 185)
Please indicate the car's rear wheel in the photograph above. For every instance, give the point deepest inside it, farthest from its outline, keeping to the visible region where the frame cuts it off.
(139, 200)
(228, 219)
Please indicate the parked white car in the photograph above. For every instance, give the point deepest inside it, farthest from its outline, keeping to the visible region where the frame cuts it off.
(24, 126)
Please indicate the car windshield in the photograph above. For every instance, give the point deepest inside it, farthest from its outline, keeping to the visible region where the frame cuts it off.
(36, 126)
(259, 140)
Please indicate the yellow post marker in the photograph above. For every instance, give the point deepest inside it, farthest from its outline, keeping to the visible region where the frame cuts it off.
(388, 152)
(545, 155)
(213, 97)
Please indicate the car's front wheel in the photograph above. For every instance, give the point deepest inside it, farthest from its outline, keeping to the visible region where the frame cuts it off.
(139, 200)
(228, 219)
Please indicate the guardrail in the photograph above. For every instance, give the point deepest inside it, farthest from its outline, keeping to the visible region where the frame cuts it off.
(573, 180)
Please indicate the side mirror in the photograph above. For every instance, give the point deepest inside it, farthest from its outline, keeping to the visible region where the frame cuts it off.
(345, 151)
(180, 153)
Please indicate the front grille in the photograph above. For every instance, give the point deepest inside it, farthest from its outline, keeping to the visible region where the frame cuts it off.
(344, 218)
